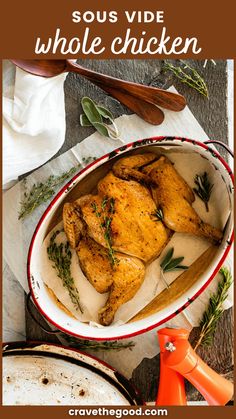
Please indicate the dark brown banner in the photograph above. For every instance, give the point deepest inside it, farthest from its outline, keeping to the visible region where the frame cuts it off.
(111, 29)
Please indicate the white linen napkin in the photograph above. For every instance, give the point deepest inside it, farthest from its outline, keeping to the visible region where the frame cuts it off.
(33, 120)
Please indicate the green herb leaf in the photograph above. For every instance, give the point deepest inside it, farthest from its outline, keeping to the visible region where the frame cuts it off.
(107, 130)
(173, 264)
(84, 122)
(90, 110)
(41, 192)
(167, 258)
(169, 263)
(105, 113)
(204, 188)
(101, 128)
(97, 346)
(94, 114)
(214, 310)
(158, 214)
(60, 255)
(189, 76)
(107, 210)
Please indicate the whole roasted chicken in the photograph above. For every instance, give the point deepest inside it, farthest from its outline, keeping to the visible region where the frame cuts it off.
(116, 232)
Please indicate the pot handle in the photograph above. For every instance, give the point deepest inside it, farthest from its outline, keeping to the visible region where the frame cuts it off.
(221, 144)
(51, 332)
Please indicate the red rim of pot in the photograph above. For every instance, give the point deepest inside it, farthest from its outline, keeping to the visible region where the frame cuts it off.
(114, 153)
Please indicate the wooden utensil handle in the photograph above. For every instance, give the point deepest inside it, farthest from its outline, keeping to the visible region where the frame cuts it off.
(147, 111)
(154, 95)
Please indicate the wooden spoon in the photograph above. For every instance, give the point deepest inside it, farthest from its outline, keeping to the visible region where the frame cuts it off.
(147, 111)
(154, 95)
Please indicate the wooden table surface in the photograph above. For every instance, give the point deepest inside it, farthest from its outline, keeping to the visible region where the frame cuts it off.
(212, 115)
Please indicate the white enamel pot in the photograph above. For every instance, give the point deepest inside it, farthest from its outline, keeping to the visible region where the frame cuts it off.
(84, 182)
(46, 374)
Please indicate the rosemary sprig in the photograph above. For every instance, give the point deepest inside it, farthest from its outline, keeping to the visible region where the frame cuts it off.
(61, 255)
(98, 346)
(204, 188)
(107, 210)
(158, 214)
(214, 310)
(169, 263)
(189, 76)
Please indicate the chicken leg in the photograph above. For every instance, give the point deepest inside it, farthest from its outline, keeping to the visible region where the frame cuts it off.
(122, 281)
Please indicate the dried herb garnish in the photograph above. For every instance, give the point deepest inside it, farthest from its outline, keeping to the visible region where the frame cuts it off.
(60, 255)
(41, 192)
(158, 214)
(204, 188)
(107, 210)
(214, 310)
(169, 263)
(94, 115)
(189, 76)
(98, 346)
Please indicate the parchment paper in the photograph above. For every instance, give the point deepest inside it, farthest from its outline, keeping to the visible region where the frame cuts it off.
(17, 234)
(189, 246)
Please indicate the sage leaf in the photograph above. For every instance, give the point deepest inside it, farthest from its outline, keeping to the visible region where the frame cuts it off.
(94, 114)
(101, 128)
(105, 113)
(90, 110)
(167, 258)
(106, 130)
(169, 263)
(84, 122)
(173, 263)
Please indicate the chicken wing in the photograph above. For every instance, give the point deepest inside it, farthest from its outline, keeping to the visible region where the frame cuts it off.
(172, 195)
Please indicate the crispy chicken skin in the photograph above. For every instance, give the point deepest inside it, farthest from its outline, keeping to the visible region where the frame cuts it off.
(122, 280)
(134, 229)
(136, 238)
(171, 194)
(125, 204)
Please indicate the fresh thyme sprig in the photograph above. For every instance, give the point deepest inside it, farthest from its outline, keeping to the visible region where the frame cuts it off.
(214, 310)
(98, 346)
(169, 263)
(189, 76)
(107, 210)
(41, 192)
(61, 256)
(158, 214)
(204, 188)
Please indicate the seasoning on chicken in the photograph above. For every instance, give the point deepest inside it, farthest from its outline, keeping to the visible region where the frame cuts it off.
(115, 232)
